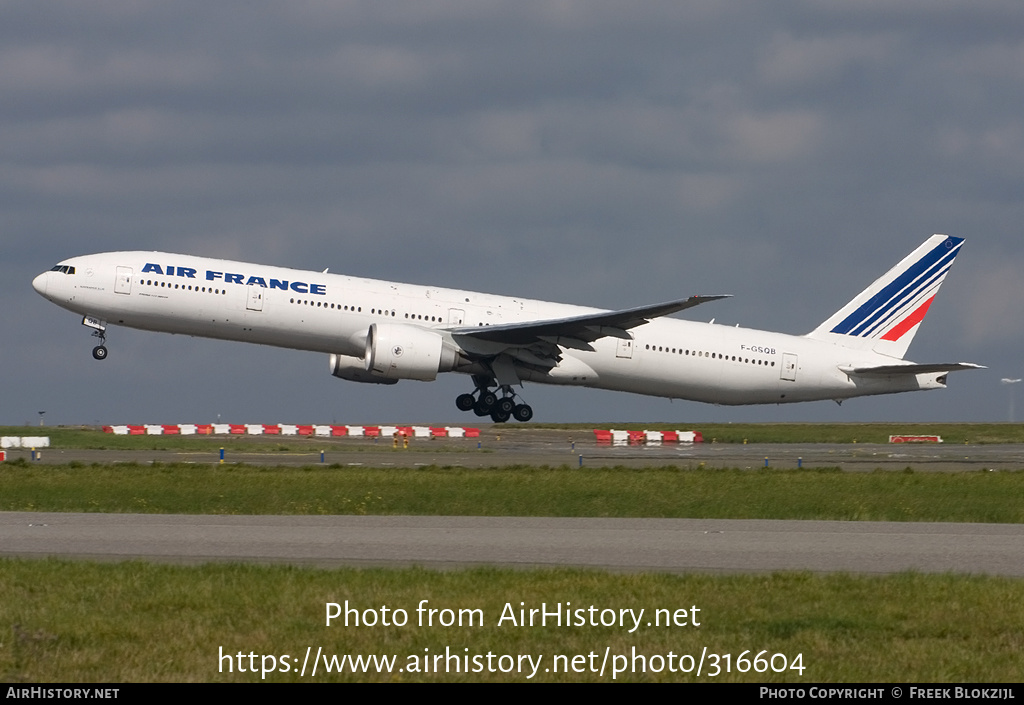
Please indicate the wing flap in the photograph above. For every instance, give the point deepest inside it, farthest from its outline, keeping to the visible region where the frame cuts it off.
(585, 328)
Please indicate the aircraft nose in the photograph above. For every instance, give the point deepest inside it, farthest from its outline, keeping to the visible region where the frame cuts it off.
(39, 283)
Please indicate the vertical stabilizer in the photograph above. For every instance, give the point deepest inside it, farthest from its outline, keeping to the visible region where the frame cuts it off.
(885, 316)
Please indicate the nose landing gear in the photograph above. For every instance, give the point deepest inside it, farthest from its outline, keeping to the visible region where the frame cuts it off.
(99, 331)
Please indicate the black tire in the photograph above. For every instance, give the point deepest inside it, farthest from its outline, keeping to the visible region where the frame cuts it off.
(487, 400)
(499, 416)
(479, 410)
(465, 402)
(99, 352)
(522, 412)
(506, 405)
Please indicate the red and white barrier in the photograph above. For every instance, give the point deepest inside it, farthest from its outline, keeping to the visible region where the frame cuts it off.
(317, 430)
(614, 437)
(25, 442)
(915, 439)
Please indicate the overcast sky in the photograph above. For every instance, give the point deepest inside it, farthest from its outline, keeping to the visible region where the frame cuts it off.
(598, 153)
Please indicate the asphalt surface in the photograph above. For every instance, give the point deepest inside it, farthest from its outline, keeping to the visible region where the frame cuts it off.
(665, 545)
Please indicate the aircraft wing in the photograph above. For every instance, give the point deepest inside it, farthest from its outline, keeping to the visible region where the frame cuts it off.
(911, 369)
(585, 328)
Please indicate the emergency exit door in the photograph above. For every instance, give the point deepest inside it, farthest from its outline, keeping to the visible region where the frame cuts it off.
(123, 281)
(255, 298)
(789, 367)
(624, 348)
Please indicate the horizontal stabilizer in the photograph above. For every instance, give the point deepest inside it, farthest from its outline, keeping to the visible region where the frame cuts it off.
(911, 369)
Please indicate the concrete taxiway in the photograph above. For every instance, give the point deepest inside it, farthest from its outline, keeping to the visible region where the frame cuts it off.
(665, 545)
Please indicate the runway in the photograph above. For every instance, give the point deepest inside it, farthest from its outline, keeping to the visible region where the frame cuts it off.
(662, 545)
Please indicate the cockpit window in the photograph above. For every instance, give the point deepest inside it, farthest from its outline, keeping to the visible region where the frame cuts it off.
(63, 268)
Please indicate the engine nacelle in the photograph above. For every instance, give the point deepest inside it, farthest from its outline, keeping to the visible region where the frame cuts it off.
(354, 370)
(396, 351)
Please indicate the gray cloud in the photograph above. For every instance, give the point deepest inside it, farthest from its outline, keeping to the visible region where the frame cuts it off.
(592, 152)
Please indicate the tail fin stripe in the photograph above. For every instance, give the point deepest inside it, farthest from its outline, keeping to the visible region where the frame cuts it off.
(940, 256)
(904, 308)
(909, 322)
(896, 291)
(937, 271)
(904, 299)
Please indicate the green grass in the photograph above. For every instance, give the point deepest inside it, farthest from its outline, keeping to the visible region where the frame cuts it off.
(515, 491)
(130, 622)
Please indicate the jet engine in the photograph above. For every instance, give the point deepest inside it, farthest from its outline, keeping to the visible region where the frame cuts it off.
(354, 370)
(395, 351)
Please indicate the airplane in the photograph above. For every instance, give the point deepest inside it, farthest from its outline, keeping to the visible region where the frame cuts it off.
(381, 332)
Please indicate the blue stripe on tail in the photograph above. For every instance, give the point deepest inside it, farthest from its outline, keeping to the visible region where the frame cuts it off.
(918, 277)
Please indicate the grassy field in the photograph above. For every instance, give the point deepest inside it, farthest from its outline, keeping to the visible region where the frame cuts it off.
(70, 621)
(515, 491)
(94, 438)
(130, 622)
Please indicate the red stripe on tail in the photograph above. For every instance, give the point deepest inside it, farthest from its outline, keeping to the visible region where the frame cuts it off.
(909, 322)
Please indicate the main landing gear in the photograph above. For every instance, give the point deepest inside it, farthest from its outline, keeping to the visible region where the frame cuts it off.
(487, 403)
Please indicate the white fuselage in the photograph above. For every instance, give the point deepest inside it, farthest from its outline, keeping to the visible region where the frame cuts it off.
(332, 313)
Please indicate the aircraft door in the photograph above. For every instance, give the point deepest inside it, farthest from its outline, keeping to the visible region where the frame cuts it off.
(123, 282)
(789, 367)
(255, 302)
(456, 316)
(624, 348)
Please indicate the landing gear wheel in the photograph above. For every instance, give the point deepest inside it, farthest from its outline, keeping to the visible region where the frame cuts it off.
(506, 405)
(479, 410)
(499, 416)
(522, 412)
(465, 402)
(100, 352)
(487, 400)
